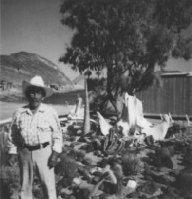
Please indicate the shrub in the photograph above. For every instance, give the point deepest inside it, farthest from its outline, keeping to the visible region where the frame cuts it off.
(10, 181)
(131, 164)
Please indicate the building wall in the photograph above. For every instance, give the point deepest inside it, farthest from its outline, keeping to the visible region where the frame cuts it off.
(174, 96)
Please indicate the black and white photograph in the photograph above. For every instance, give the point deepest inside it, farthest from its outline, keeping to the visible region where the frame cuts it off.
(96, 99)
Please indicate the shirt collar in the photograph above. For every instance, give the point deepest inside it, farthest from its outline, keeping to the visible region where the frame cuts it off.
(40, 109)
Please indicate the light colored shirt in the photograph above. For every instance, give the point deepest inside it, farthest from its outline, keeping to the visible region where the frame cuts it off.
(34, 129)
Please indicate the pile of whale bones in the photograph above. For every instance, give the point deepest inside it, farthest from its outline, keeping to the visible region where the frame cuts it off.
(131, 120)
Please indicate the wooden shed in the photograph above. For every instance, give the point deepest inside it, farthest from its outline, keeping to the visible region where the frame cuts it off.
(174, 95)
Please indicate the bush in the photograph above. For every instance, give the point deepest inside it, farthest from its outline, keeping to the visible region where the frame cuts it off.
(131, 164)
(10, 181)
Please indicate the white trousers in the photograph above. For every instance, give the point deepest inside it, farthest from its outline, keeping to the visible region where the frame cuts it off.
(39, 159)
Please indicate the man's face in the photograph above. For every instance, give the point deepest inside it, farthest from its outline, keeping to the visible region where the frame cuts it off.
(35, 96)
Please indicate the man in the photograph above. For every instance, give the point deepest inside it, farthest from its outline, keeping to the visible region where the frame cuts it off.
(36, 137)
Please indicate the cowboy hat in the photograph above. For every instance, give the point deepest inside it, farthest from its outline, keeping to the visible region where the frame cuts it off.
(37, 81)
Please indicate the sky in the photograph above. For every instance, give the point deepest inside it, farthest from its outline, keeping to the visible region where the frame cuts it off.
(34, 26)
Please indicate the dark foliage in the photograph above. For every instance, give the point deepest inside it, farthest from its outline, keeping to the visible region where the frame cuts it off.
(127, 37)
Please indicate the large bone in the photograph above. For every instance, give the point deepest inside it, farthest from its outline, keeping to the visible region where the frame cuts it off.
(160, 130)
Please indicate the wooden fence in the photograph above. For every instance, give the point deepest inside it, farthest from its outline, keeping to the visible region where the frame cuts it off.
(174, 96)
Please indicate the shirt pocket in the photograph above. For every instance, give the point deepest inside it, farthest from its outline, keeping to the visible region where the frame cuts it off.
(43, 126)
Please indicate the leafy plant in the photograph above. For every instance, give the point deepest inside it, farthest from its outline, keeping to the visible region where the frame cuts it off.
(131, 164)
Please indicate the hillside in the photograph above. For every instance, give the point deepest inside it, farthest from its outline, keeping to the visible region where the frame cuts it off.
(78, 82)
(23, 65)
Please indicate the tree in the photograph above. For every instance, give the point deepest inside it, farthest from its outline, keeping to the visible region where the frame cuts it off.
(127, 37)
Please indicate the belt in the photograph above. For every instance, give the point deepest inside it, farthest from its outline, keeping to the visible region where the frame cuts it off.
(36, 147)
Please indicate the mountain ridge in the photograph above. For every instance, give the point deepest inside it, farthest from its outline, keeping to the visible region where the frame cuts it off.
(20, 66)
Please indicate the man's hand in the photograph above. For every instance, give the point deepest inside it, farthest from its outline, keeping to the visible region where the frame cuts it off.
(12, 159)
(53, 159)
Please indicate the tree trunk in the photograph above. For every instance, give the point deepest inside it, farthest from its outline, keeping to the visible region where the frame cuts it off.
(86, 111)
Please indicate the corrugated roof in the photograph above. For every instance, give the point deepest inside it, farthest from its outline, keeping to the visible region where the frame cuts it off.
(176, 73)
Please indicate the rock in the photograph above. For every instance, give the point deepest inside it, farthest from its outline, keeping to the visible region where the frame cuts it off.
(65, 192)
(132, 184)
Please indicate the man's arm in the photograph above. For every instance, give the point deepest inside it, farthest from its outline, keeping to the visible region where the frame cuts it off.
(57, 140)
(56, 133)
